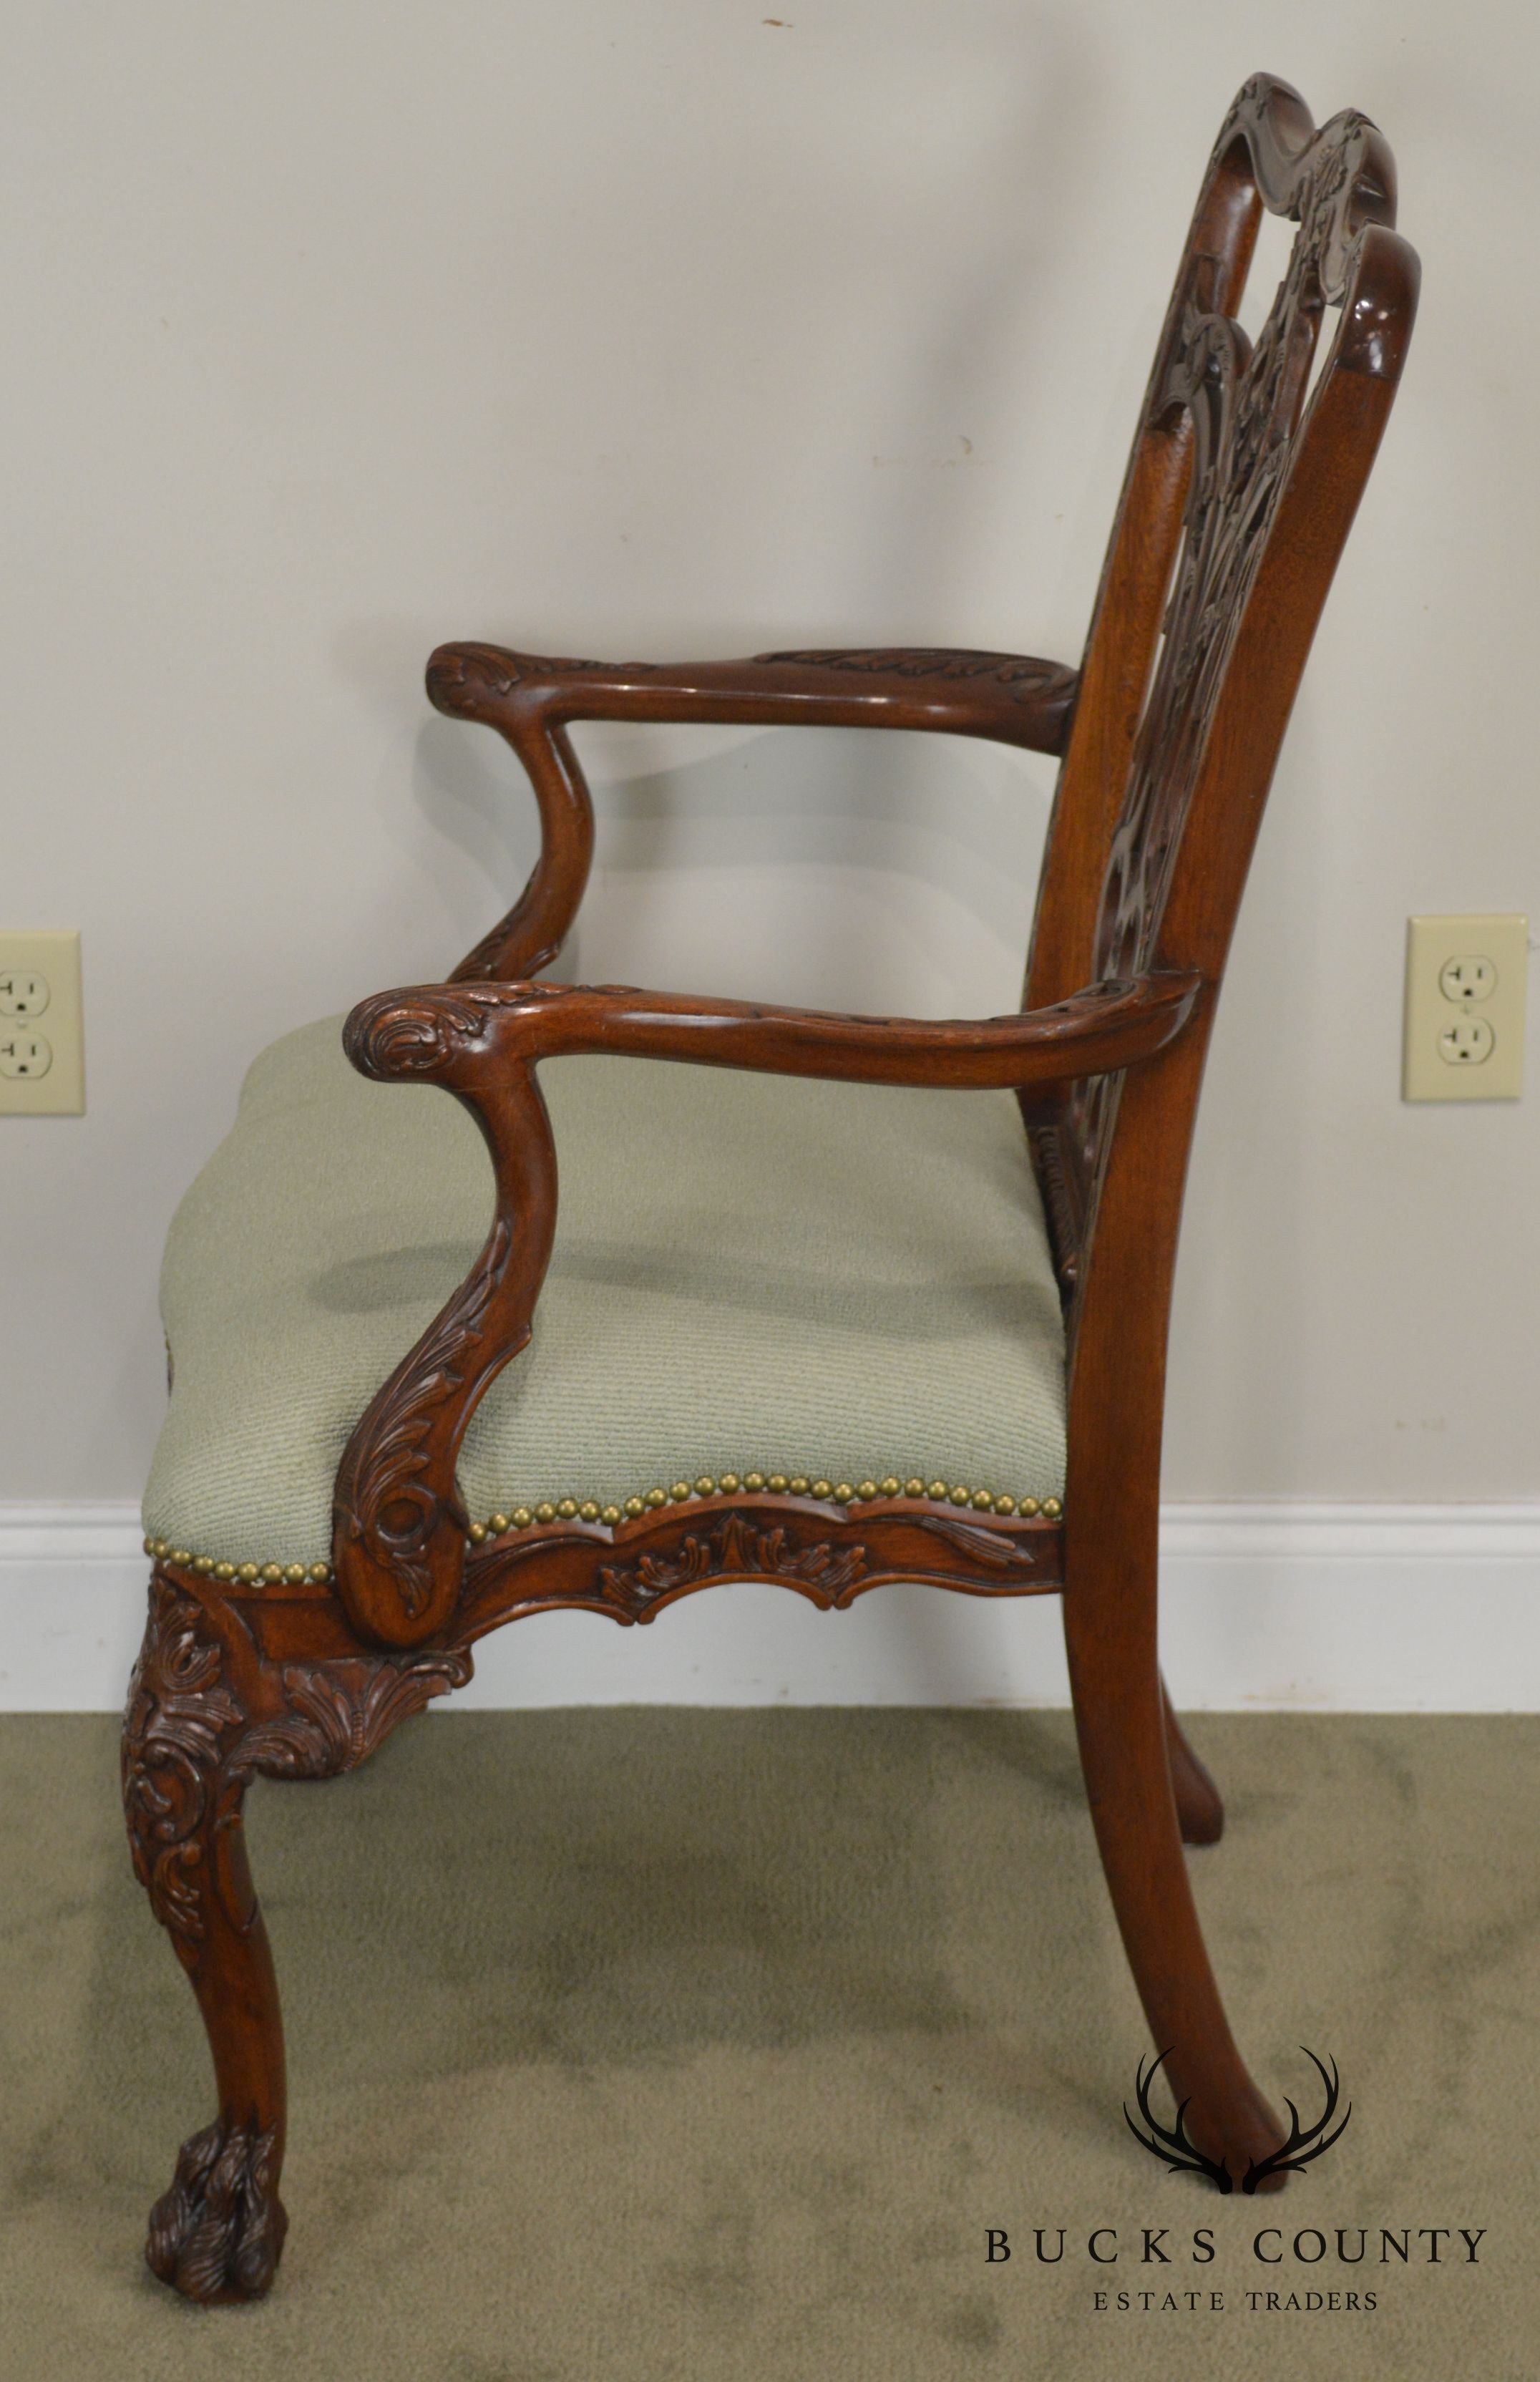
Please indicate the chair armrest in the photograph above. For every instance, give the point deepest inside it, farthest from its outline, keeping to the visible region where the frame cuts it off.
(468, 1037)
(1009, 697)
(398, 1542)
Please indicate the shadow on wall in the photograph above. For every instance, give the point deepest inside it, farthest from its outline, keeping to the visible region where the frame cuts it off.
(1235, 1410)
(839, 869)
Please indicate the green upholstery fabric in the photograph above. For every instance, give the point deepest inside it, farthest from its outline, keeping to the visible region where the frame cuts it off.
(751, 1273)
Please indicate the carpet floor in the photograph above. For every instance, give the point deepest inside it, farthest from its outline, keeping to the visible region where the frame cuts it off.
(656, 2043)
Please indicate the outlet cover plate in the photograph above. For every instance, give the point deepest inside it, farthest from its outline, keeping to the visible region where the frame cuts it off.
(40, 1003)
(1448, 998)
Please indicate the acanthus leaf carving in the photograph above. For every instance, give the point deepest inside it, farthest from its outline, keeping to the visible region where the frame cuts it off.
(734, 1548)
(998, 1548)
(463, 680)
(488, 962)
(383, 1499)
(335, 1718)
(179, 1716)
(190, 1748)
(423, 1033)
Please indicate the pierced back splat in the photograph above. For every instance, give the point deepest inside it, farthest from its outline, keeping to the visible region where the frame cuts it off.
(1144, 868)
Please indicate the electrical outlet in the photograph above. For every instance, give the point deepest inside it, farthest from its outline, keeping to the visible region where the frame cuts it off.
(42, 1039)
(1465, 985)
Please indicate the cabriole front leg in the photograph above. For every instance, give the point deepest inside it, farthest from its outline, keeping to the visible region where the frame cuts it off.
(218, 2232)
(206, 1715)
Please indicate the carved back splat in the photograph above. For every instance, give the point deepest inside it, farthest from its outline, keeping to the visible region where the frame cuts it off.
(1182, 711)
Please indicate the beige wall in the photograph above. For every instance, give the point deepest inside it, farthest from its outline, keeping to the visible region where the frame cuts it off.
(339, 329)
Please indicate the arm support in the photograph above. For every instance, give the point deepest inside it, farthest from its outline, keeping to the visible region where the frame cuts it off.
(530, 700)
(398, 1527)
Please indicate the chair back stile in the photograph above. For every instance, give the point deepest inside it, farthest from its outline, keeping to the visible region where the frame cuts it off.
(1131, 600)
(1239, 492)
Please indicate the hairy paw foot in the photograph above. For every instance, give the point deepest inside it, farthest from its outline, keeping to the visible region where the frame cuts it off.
(217, 2233)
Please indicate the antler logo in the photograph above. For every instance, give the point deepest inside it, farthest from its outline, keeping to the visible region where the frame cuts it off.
(1182, 2156)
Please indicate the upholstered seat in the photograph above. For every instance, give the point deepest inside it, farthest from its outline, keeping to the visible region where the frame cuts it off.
(839, 1282)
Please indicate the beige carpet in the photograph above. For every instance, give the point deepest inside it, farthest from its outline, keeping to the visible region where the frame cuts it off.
(664, 2044)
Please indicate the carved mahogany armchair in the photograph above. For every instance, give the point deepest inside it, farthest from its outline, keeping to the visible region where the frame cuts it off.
(885, 1301)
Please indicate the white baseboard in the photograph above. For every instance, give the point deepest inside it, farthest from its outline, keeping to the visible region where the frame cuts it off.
(1304, 1607)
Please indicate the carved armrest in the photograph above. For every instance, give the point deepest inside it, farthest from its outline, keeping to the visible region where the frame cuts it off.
(530, 700)
(471, 1037)
(1009, 697)
(398, 1526)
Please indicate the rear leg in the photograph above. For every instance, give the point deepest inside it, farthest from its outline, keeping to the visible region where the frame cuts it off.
(1199, 1806)
(1120, 1719)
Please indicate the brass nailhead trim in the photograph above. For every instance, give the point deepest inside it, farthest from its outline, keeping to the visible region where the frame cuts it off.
(250, 1573)
(681, 1493)
(566, 1509)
